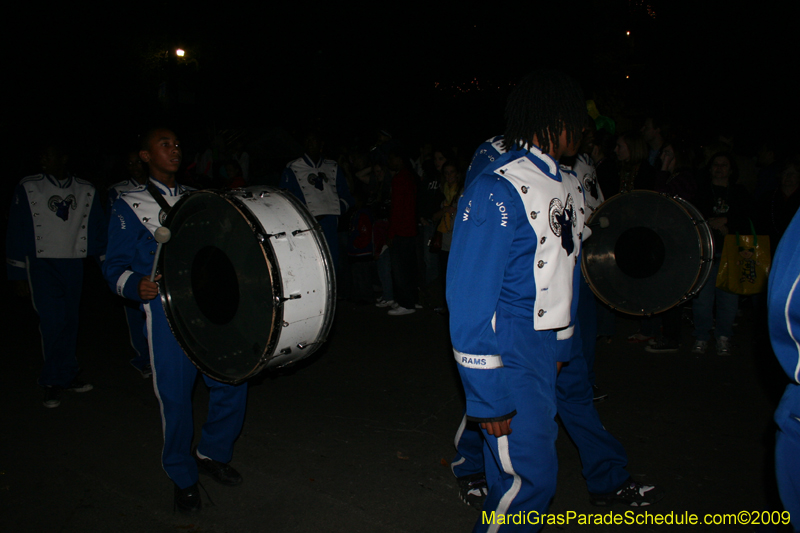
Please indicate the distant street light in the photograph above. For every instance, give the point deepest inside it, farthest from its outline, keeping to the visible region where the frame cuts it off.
(179, 52)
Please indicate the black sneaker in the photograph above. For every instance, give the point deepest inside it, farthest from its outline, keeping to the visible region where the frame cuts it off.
(221, 472)
(144, 369)
(630, 493)
(52, 397)
(597, 394)
(473, 490)
(188, 500)
(662, 345)
(78, 386)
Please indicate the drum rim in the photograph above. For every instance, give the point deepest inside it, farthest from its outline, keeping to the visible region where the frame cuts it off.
(328, 268)
(704, 268)
(277, 283)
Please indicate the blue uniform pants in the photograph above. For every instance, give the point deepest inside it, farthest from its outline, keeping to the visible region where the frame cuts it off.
(138, 334)
(174, 376)
(56, 293)
(587, 318)
(521, 468)
(787, 452)
(329, 224)
(602, 456)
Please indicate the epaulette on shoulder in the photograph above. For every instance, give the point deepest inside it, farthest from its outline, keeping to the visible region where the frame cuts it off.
(28, 179)
(140, 188)
(566, 169)
(83, 182)
(119, 184)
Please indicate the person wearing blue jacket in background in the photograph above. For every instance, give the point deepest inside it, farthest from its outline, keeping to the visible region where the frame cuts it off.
(511, 279)
(603, 458)
(321, 185)
(784, 330)
(134, 316)
(54, 222)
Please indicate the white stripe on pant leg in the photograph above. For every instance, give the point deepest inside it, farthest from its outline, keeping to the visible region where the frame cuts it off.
(33, 303)
(456, 441)
(149, 316)
(789, 325)
(508, 468)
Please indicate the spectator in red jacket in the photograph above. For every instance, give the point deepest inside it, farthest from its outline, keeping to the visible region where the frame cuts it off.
(402, 234)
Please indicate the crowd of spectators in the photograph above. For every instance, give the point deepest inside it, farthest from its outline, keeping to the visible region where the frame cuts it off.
(394, 241)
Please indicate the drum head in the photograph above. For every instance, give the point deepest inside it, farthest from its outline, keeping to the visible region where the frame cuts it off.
(220, 286)
(652, 254)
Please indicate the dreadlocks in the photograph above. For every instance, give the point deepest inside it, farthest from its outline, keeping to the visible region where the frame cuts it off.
(543, 104)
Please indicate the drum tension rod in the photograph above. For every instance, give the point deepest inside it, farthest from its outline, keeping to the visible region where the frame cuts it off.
(298, 231)
(304, 345)
(291, 297)
(262, 238)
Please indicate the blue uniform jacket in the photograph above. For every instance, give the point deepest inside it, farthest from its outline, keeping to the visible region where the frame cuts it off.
(23, 241)
(339, 188)
(131, 246)
(784, 321)
(499, 260)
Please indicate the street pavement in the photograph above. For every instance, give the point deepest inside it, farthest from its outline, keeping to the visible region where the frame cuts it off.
(359, 437)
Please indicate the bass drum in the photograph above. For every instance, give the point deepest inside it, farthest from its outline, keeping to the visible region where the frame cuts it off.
(647, 253)
(248, 281)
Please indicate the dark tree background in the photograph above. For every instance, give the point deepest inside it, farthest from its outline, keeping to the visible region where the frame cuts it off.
(438, 71)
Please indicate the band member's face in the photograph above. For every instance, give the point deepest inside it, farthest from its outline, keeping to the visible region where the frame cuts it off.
(134, 167)
(164, 153)
(566, 147)
(53, 161)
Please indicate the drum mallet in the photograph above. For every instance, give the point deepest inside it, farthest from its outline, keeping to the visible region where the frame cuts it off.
(162, 235)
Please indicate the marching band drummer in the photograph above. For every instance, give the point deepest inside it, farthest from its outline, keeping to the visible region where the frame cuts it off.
(135, 217)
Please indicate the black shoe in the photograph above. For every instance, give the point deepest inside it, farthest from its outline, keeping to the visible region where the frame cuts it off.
(473, 490)
(188, 500)
(144, 368)
(597, 394)
(630, 493)
(662, 345)
(221, 472)
(79, 386)
(52, 397)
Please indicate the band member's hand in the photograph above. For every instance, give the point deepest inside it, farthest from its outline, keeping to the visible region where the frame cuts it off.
(497, 429)
(148, 289)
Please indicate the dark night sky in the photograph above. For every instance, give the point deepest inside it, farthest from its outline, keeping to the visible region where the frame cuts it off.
(363, 68)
